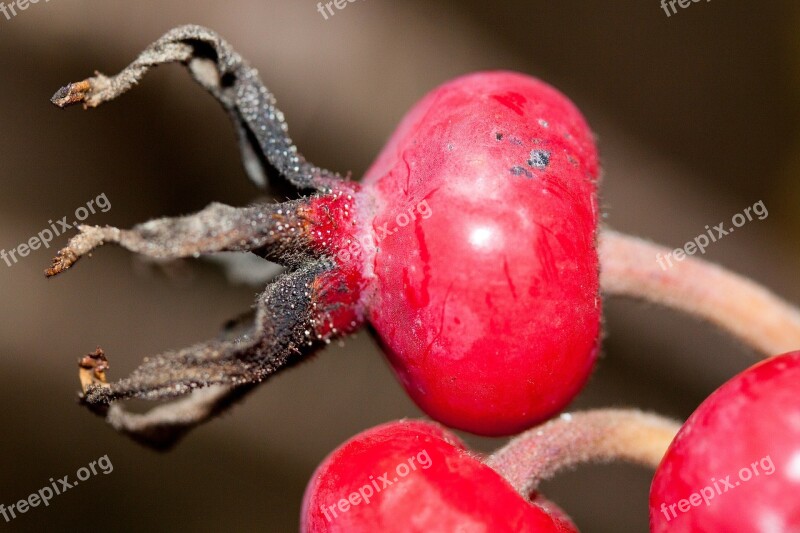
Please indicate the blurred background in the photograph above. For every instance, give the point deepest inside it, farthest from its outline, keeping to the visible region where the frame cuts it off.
(697, 119)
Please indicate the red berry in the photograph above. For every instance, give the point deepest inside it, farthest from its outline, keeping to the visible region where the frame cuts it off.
(412, 476)
(471, 250)
(735, 464)
(487, 302)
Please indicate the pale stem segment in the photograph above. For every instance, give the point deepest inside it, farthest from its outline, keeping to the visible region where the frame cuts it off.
(750, 312)
(602, 435)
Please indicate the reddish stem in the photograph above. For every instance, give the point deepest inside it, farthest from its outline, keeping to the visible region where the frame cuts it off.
(736, 304)
(572, 439)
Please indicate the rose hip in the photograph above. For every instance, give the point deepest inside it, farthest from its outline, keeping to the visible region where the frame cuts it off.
(411, 476)
(735, 464)
(488, 310)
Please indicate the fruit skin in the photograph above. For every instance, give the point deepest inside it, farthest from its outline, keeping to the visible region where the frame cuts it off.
(489, 309)
(755, 415)
(449, 490)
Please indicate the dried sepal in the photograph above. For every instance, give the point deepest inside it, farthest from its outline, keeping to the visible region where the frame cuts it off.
(92, 369)
(267, 150)
(203, 380)
(280, 229)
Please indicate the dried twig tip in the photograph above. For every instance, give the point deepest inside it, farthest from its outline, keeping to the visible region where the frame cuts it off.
(92, 369)
(61, 262)
(73, 93)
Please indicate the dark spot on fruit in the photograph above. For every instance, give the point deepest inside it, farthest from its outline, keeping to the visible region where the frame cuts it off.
(498, 136)
(540, 159)
(518, 171)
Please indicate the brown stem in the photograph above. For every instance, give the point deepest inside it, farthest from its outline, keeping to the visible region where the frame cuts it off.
(592, 436)
(630, 267)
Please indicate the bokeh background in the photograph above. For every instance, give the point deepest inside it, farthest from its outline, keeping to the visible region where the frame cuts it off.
(696, 115)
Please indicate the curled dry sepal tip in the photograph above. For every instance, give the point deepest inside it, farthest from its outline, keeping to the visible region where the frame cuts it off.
(72, 94)
(93, 368)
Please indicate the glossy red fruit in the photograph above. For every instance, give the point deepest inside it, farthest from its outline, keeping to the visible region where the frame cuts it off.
(484, 290)
(409, 477)
(735, 464)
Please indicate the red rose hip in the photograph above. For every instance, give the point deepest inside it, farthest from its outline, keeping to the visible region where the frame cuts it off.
(487, 302)
(410, 476)
(735, 464)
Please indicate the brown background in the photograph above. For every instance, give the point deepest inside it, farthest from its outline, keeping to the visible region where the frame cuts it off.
(696, 116)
